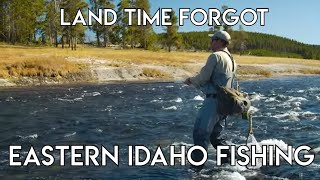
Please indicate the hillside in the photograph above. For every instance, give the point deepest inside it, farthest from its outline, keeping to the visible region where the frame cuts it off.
(257, 44)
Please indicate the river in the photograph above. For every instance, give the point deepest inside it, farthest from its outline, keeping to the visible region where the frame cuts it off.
(287, 112)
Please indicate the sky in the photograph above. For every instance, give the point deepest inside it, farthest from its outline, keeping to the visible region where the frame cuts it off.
(293, 19)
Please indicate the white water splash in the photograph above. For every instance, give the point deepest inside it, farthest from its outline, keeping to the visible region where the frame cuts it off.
(292, 115)
(170, 108)
(178, 144)
(272, 99)
(316, 150)
(291, 98)
(178, 100)
(198, 98)
(71, 134)
(226, 175)
(72, 100)
(253, 142)
(32, 136)
(156, 101)
(65, 100)
(3, 161)
(93, 94)
(316, 166)
(77, 99)
(280, 143)
(107, 109)
(314, 89)
(257, 97)
(9, 99)
(253, 109)
(99, 130)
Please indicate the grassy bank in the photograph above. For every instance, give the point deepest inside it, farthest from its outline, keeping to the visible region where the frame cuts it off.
(17, 61)
(21, 61)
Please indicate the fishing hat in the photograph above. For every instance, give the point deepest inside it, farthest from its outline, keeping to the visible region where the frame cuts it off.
(223, 35)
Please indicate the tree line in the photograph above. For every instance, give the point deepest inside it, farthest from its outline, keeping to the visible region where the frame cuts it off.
(251, 43)
(38, 21)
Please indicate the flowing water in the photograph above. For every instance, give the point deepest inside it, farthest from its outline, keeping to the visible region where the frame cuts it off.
(287, 112)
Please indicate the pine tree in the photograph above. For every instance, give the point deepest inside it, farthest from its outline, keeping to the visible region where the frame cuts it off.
(122, 28)
(242, 39)
(107, 31)
(72, 33)
(101, 30)
(228, 17)
(144, 32)
(172, 38)
(4, 20)
(96, 27)
(51, 27)
(20, 20)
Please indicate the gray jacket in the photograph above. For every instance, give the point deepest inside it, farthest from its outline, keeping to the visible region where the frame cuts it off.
(218, 70)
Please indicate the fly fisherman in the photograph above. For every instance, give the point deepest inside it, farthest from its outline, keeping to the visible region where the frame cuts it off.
(219, 70)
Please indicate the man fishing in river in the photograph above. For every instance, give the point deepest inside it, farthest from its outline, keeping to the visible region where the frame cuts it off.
(219, 70)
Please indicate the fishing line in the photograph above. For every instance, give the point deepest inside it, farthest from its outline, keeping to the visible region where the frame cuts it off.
(251, 141)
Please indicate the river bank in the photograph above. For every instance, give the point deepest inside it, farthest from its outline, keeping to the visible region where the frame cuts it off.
(97, 74)
(21, 66)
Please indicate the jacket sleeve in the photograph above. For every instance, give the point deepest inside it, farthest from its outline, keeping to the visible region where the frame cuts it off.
(206, 72)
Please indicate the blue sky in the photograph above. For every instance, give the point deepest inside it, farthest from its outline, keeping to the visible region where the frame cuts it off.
(298, 20)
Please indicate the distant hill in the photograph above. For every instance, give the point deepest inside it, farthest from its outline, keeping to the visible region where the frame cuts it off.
(258, 44)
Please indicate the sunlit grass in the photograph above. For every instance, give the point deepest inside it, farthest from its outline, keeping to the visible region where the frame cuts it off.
(154, 73)
(245, 70)
(18, 61)
(275, 60)
(51, 62)
(310, 71)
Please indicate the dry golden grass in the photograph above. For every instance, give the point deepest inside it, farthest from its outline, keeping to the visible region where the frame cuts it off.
(17, 61)
(36, 67)
(9, 53)
(275, 60)
(154, 73)
(128, 55)
(50, 62)
(310, 71)
(246, 70)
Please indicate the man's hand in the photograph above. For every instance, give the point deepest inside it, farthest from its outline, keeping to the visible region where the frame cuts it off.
(188, 82)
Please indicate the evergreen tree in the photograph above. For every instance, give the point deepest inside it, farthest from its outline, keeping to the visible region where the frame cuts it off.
(172, 38)
(216, 27)
(144, 33)
(51, 27)
(5, 20)
(122, 27)
(101, 30)
(20, 20)
(107, 31)
(228, 17)
(72, 34)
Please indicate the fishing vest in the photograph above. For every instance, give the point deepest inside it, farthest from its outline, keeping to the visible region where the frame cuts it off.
(230, 100)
